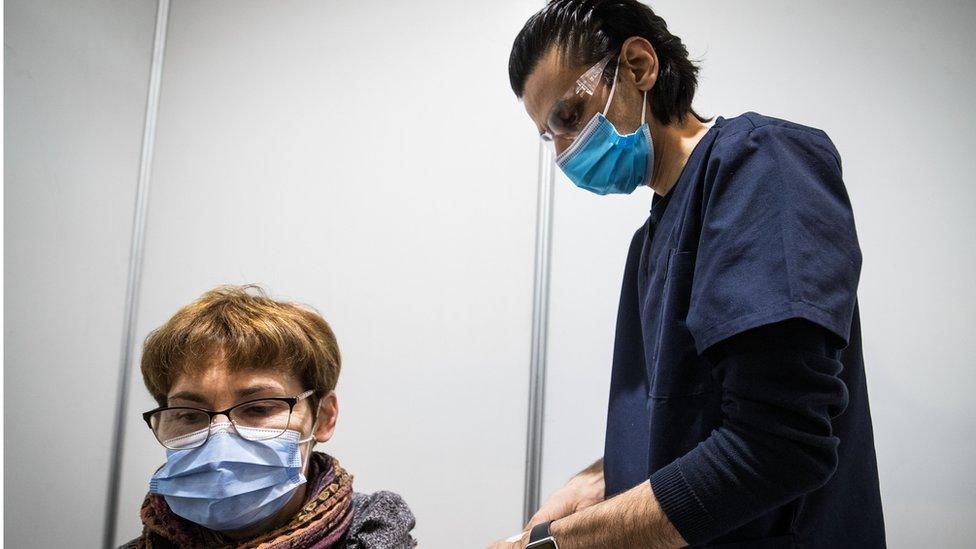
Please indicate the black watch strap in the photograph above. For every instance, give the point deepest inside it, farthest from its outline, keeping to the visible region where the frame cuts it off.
(540, 531)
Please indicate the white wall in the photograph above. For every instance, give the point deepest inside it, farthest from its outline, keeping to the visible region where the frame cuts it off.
(370, 160)
(892, 83)
(75, 90)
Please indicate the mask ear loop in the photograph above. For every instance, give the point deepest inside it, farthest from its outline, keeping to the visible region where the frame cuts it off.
(310, 438)
(613, 87)
(308, 456)
(315, 419)
(643, 108)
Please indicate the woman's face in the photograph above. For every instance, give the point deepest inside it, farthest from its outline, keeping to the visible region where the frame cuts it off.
(217, 387)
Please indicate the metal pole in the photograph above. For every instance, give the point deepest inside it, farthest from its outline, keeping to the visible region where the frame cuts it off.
(134, 282)
(540, 332)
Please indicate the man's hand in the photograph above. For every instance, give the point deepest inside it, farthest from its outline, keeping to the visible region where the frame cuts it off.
(582, 491)
(583, 519)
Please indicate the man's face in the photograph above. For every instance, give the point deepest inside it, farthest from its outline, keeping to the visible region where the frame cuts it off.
(551, 103)
(560, 112)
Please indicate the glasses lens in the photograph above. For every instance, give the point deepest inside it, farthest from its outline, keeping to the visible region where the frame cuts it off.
(180, 428)
(261, 419)
(568, 116)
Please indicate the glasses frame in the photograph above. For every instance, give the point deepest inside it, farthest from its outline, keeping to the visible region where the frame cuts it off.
(584, 86)
(290, 401)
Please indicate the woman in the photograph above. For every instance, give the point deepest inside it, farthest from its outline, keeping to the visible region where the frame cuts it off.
(245, 386)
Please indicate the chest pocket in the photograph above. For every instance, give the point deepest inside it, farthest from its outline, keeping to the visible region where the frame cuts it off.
(674, 367)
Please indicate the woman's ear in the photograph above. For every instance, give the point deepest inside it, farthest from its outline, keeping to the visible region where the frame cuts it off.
(326, 417)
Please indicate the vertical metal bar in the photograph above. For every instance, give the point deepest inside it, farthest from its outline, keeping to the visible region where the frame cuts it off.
(134, 282)
(540, 332)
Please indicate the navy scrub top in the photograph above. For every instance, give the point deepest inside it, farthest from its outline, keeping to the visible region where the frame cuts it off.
(757, 230)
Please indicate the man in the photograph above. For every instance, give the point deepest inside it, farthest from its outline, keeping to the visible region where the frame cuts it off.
(738, 412)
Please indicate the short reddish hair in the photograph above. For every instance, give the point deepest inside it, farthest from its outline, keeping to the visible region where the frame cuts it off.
(247, 329)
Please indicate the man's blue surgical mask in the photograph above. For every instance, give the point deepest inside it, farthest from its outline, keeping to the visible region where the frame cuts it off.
(230, 482)
(602, 161)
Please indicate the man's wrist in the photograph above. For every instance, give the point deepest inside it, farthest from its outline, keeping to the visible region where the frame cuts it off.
(631, 519)
(555, 529)
(561, 531)
(541, 536)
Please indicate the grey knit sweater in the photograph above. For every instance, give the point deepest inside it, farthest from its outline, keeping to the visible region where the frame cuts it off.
(380, 521)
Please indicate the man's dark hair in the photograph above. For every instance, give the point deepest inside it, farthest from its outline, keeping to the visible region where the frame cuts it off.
(586, 31)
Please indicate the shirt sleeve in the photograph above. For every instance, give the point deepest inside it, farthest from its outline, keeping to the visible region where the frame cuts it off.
(381, 519)
(777, 239)
(780, 392)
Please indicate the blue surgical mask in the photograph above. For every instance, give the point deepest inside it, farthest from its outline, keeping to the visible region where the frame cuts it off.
(230, 482)
(602, 161)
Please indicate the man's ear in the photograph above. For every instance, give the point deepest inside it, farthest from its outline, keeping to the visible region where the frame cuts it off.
(328, 413)
(641, 59)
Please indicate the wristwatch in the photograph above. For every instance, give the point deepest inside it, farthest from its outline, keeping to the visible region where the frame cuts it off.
(541, 538)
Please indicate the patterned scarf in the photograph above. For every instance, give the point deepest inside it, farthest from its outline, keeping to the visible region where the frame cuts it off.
(319, 524)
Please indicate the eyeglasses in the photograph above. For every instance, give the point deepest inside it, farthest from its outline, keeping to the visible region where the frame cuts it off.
(571, 111)
(183, 427)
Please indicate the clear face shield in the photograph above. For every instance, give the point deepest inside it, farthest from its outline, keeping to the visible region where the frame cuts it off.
(574, 108)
